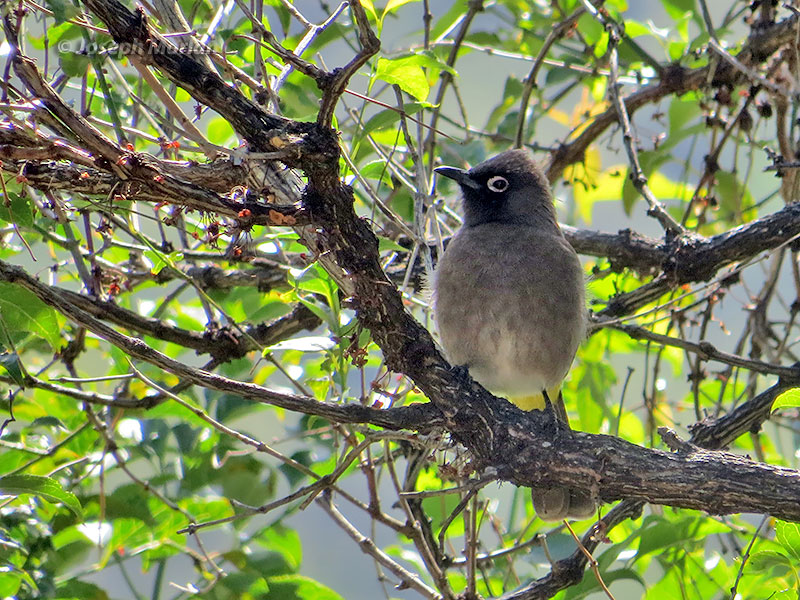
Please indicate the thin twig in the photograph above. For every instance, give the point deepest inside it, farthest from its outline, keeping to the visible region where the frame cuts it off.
(591, 560)
(529, 84)
(368, 546)
(637, 175)
(707, 351)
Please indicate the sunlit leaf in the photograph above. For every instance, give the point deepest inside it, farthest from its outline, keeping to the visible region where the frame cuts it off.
(407, 73)
(770, 559)
(788, 535)
(393, 5)
(47, 488)
(788, 399)
(370, 8)
(313, 343)
(22, 310)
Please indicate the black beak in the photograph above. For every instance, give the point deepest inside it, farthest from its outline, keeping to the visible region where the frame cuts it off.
(460, 176)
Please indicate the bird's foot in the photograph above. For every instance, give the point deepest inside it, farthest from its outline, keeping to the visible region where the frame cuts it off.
(555, 421)
(461, 372)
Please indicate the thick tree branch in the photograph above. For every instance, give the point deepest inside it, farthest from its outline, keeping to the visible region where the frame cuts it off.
(222, 343)
(684, 260)
(418, 416)
(517, 446)
(696, 259)
(677, 80)
(132, 32)
(747, 417)
(337, 82)
(47, 175)
(709, 434)
(625, 249)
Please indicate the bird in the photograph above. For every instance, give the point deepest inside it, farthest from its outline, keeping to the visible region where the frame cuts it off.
(508, 298)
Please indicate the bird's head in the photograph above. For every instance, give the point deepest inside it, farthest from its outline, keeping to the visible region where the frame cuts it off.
(508, 188)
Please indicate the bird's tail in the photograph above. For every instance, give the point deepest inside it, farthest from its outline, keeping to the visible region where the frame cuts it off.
(556, 503)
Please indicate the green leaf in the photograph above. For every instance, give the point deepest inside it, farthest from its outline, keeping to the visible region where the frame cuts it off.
(220, 132)
(245, 585)
(303, 457)
(658, 533)
(308, 343)
(12, 365)
(608, 186)
(62, 10)
(446, 21)
(75, 588)
(126, 533)
(769, 559)
(591, 30)
(161, 260)
(129, 500)
(48, 421)
(173, 409)
(789, 398)
(297, 587)
(733, 195)
(681, 111)
(663, 188)
(279, 538)
(677, 50)
(787, 594)
(47, 488)
(634, 29)
(405, 72)
(788, 536)
(386, 119)
(10, 582)
(21, 310)
(377, 170)
(590, 585)
(676, 9)
(321, 312)
(73, 64)
(20, 210)
(387, 245)
(266, 564)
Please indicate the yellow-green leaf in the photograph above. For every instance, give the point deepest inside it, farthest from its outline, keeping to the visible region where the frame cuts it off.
(789, 398)
(405, 72)
(394, 5)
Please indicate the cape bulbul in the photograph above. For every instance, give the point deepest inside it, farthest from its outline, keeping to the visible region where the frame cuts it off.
(509, 297)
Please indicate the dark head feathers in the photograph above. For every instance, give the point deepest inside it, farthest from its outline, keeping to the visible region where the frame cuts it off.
(509, 188)
(512, 162)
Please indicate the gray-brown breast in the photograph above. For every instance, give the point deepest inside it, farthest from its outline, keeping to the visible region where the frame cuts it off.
(509, 304)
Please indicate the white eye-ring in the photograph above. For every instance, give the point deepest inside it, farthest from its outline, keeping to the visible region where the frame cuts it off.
(497, 183)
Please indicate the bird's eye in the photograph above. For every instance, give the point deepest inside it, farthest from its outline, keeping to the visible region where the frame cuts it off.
(497, 184)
